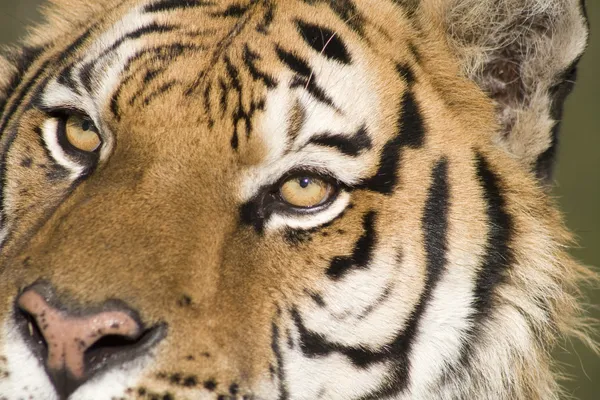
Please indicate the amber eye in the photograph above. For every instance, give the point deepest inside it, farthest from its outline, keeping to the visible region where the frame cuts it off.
(305, 191)
(82, 134)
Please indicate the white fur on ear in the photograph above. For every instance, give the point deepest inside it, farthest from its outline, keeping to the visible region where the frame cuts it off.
(522, 53)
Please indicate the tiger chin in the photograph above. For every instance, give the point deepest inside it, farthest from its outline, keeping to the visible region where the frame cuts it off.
(286, 199)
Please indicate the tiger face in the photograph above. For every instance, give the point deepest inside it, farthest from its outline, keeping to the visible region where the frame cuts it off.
(285, 200)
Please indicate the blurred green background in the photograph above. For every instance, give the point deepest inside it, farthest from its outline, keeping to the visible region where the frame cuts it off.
(578, 173)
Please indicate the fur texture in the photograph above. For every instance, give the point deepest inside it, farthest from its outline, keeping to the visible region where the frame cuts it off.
(438, 268)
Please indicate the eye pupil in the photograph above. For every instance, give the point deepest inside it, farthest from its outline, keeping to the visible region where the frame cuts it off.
(304, 182)
(85, 126)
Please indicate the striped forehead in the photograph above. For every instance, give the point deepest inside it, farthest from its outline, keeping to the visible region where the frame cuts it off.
(104, 53)
(88, 81)
(315, 94)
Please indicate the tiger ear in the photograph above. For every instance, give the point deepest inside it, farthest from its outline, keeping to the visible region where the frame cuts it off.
(523, 54)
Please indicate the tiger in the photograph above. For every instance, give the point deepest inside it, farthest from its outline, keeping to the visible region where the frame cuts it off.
(287, 199)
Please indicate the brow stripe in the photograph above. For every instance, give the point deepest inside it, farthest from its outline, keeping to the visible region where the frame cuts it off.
(348, 145)
(172, 5)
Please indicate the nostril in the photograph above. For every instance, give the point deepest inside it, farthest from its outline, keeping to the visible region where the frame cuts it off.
(32, 334)
(111, 343)
(75, 346)
(115, 349)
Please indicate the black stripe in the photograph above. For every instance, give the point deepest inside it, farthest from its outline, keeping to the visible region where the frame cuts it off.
(164, 88)
(74, 46)
(411, 122)
(22, 92)
(87, 69)
(315, 90)
(17, 101)
(324, 41)
(235, 10)
(415, 52)
(169, 52)
(386, 178)
(410, 134)
(263, 26)
(348, 145)
(65, 78)
(377, 303)
(498, 254)
(21, 61)
(250, 58)
(239, 113)
(275, 337)
(207, 104)
(305, 75)
(115, 108)
(85, 76)
(406, 73)
(314, 345)
(317, 298)
(435, 227)
(235, 140)
(362, 253)
(347, 12)
(408, 6)
(171, 5)
(152, 74)
(223, 98)
(232, 73)
(294, 62)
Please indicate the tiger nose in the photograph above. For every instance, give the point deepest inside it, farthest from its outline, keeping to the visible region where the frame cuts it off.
(74, 345)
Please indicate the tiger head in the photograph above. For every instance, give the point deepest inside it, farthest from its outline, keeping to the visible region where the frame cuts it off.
(263, 199)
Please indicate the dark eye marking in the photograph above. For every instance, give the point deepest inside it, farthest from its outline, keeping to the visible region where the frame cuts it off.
(324, 41)
(362, 253)
(348, 145)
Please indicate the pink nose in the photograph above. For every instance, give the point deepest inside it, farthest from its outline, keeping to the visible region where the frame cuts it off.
(77, 345)
(69, 337)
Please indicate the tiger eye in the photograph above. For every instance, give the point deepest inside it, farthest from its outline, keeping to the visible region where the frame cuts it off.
(81, 134)
(305, 192)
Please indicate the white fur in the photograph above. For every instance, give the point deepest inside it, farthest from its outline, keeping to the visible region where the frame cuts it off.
(49, 131)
